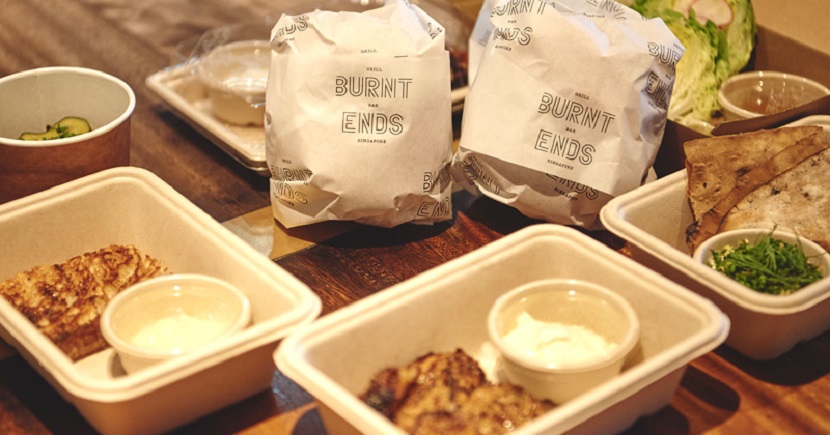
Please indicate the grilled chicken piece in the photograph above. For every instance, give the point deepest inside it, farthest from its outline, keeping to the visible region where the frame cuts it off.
(65, 301)
(449, 393)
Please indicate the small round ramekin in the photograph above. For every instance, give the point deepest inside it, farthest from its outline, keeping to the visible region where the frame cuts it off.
(164, 317)
(570, 303)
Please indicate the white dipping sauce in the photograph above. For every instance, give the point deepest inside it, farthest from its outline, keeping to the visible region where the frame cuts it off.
(556, 343)
(178, 333)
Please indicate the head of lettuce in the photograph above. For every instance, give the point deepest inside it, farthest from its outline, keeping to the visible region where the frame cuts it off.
(719, 36)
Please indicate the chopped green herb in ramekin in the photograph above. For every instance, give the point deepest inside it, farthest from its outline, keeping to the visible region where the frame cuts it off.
(769, 266)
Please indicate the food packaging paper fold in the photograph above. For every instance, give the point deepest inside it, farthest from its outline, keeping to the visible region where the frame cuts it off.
(567, 108)
(358, 117)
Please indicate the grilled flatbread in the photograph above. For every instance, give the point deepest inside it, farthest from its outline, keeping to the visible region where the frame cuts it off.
(788, 160)
(713, 165)
(65, 301)
(796, 200)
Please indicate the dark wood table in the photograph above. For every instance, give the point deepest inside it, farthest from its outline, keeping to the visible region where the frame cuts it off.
(721, 391)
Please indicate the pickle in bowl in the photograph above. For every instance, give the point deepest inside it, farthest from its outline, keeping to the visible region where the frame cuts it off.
(68, 126)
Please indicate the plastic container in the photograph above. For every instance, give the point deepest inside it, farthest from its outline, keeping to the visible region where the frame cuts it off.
(169, 316)
(446, 308)
(588, 330)
(236, 77)
(131, 205)
(759, 93)
(654, 218)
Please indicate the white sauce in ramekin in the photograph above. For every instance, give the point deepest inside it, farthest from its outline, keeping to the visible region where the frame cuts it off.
(178, 333)
(557, 344)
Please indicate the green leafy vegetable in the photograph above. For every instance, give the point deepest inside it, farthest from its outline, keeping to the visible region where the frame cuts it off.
(769, 266)
(63, 131)
(714, 52)
(740, 34)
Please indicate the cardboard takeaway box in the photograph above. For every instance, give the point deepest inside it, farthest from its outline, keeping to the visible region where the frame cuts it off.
(661, 247)
(446, 308)
(134, 206)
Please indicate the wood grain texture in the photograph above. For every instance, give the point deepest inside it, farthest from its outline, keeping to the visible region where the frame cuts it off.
(721, 392)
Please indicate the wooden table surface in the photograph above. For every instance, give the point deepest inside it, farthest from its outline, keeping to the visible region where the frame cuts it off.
(722, 392)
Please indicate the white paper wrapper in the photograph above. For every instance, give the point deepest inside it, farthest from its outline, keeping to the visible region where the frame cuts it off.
(568, 106)
(358, 122)
(482, 30)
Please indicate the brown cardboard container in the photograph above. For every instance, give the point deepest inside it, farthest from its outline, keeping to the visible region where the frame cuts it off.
(446, 308)
(654, 217)
(131, 205)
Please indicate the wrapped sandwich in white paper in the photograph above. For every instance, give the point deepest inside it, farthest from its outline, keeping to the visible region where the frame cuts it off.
(479, 36)
(358, 122)
(568, 107)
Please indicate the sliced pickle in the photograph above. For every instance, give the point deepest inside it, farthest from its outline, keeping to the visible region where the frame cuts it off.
(68, 126)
